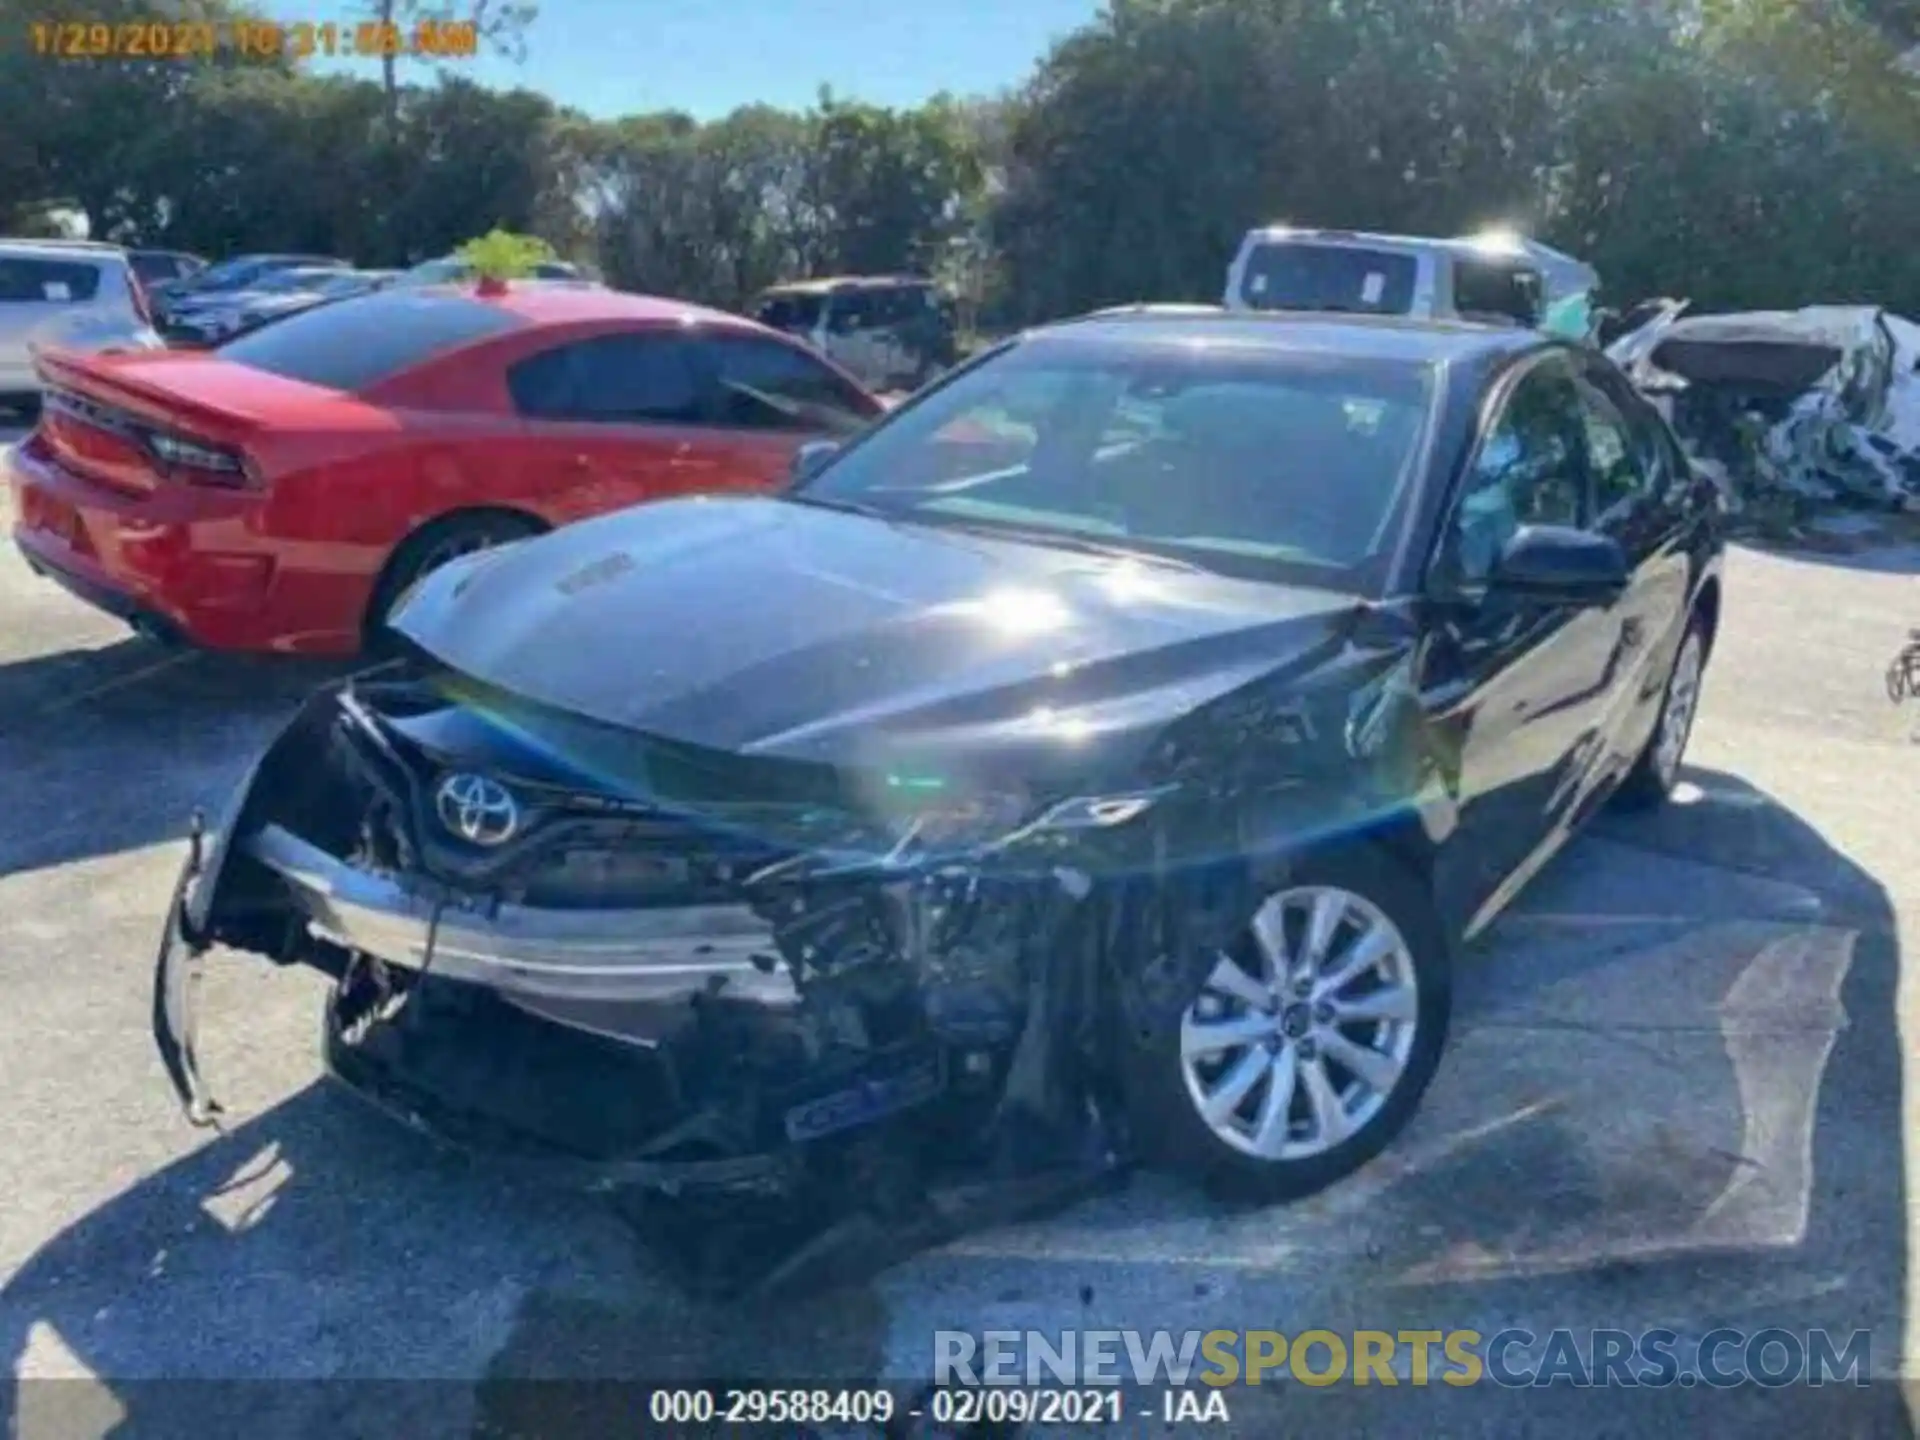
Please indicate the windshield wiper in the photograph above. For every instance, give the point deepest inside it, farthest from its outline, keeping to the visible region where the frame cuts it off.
(845, 507)
(1068, 540)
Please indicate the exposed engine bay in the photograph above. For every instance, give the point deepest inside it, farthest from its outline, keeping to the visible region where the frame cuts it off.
(784, 1005)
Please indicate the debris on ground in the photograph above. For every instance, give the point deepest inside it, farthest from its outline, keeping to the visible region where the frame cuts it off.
(1793, 412)
(1903, 675)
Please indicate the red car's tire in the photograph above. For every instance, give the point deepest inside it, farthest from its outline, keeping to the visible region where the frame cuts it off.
(432, 546)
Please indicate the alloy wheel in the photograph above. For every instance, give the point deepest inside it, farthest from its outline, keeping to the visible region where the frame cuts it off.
(464, 541)
(1298, 1038)
(1682, 703)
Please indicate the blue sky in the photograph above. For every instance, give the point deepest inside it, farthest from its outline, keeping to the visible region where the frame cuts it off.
(615, 57)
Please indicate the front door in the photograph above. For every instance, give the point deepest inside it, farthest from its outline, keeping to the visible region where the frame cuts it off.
(763, 400)
(1507, 681)
(1638, 501)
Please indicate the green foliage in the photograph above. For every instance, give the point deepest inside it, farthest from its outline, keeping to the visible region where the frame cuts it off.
(502, 255)
(1744, 153)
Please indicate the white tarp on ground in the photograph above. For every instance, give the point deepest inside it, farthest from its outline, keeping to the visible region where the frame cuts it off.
(1819, 405)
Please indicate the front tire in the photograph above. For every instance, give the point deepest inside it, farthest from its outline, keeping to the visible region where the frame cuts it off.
(1309, 1044)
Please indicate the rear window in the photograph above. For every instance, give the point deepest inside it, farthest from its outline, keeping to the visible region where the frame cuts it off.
(789, 312)
(1290, 275)
(153, 267)
(359, 342)
(57, 282)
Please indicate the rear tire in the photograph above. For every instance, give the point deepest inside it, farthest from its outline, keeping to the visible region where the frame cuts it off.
(426, 550)
(1259, 1091)
(1649, 784)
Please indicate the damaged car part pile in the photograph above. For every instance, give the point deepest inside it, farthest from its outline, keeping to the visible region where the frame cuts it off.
(1808, 408)
(1097, 759)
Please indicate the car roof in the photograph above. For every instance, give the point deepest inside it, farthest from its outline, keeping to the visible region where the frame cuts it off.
(1486, 247)
(829, 283)
(1379, 337)
(61, 250)
(561, 302)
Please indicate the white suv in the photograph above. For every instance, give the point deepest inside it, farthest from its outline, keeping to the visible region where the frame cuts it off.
(1499, 277)
(70, 294)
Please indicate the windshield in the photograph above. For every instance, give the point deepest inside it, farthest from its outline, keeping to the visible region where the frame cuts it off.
(434, 272)
(230, 274)
(1268, 466)
(276, 281)
(1292, 275)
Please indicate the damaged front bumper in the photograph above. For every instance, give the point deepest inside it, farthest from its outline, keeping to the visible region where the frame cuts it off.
(669, 1046)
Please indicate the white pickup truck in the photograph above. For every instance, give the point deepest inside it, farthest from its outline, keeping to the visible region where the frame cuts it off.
(1496, 276)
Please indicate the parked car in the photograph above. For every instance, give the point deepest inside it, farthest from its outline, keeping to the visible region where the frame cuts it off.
(157, 267)
(890, 331)
(221, 315)
(1282, 267)
(282, 491)
(266, 306)
(1158, 701)
(79, 297)
(451, 270)
(238, 273)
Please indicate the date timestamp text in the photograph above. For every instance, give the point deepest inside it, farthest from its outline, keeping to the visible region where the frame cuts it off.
(251, 39)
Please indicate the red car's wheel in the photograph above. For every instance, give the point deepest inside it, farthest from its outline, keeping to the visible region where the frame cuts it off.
(434, 545)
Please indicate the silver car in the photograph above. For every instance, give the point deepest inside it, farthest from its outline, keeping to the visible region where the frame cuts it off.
(71, 295)
(890, 332)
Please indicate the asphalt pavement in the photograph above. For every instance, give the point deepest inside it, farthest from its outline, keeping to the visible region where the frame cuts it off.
(1674, 1098)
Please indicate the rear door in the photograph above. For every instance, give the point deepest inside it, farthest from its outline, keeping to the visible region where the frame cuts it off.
(764, 400)
(615, 419)
(1506, 681)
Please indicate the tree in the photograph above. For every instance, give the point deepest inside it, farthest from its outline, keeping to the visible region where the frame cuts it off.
(499, 26)
(888, 186)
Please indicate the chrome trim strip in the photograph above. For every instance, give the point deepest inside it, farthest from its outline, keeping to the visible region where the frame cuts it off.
(563, 954)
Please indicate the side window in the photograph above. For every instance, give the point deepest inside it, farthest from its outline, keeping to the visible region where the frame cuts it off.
(849, 312)
(1614, 457)
(899, 307)
(613, 379)
(1488, 288)
(1528, 472)
(765, 385)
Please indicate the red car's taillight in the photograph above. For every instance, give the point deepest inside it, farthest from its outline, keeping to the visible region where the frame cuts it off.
(201, 464)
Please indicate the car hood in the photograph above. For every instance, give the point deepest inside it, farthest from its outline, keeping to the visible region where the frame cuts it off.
(769, 628)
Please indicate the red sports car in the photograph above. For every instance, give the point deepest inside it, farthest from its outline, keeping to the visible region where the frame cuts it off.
(281, 492)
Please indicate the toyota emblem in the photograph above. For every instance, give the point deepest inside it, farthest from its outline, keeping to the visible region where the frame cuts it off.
(478, 810)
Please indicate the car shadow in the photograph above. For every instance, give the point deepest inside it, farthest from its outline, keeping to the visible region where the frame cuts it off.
(110, 749)
(1673, 1097)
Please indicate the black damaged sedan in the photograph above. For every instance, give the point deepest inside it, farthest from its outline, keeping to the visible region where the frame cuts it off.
(1118, 740)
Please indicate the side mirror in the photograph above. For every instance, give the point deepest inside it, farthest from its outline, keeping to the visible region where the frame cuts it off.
(1558, 564)
(811, 458)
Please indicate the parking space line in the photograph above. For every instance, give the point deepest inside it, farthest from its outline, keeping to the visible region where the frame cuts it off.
(118, 682)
